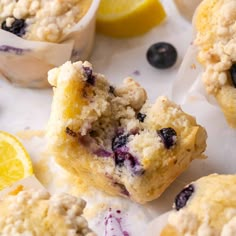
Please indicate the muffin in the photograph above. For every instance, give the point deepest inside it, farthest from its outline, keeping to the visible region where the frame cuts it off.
(34, 212)
(40, 20)
(205, 207)
(38, 35)
(114, 139)
(216, 32)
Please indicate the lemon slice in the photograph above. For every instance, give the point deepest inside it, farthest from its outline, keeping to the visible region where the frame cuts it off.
(15, 163)
(128, 18)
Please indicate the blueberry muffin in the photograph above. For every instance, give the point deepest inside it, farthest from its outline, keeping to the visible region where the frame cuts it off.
(114, 139)
(41, 20)
(36, 213)
(205, 207)
(216, 32)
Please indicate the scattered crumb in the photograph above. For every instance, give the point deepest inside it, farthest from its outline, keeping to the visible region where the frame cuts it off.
(18, 189)
(92, 212)
(193, 66)
(78, 186)
(42, 170)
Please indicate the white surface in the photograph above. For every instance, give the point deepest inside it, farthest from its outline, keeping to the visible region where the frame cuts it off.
(154, 227)
(29, 109)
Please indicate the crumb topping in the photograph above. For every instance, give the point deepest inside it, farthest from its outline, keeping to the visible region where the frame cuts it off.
(217, 44)
(211, 210)
(216, 40)
(33, 212)
(46, 20)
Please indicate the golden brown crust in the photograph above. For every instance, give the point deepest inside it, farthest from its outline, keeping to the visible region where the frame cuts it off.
(169, 230)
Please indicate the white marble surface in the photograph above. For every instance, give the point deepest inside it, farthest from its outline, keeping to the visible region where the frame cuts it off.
(22, 109)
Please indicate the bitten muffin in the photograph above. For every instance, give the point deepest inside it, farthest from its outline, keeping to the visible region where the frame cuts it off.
(205, 207)
(216, 33)
(114, 139)
(41, 20)
(35, 213)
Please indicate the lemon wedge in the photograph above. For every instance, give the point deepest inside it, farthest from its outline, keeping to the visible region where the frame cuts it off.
(15, 163)
(128, 18)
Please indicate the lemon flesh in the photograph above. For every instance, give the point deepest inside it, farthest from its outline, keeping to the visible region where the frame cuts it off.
(15, 163)
(128, 18)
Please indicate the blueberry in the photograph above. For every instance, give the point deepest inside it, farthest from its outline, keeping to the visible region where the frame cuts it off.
(161, 55)
(89, 74)
(122, 156)
(15, 50)
(119, 141)
(182, 198)
(232, 72)
(168, 136)
(141, 117)
(17, 27)
(102, 153)
(111, 89)
(71, 132)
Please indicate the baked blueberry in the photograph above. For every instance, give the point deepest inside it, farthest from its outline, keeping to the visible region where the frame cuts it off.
(182, 198)
(17, 27)
(119, 141)
(89, 74)
(122, 156)
(162, 55)
(111, 89)
(102, 153)
(141, 116)
(70, 132)
(232, 72)
(168, 136)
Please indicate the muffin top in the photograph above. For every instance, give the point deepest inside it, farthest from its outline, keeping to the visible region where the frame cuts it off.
(205, 207)
(216, 32)
(34, 212)
(41, 20)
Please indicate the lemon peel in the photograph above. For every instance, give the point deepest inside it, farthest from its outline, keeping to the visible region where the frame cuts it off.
(129, 18)
(15, 162)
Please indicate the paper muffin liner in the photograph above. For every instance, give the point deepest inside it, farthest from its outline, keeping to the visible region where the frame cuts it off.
(30, 182)
(189, 79)
(188, 84)
(26, 63)
(187, 8)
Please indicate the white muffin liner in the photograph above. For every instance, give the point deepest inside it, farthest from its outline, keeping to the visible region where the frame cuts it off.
(26, 63)
(27, 183)
(187, 7)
